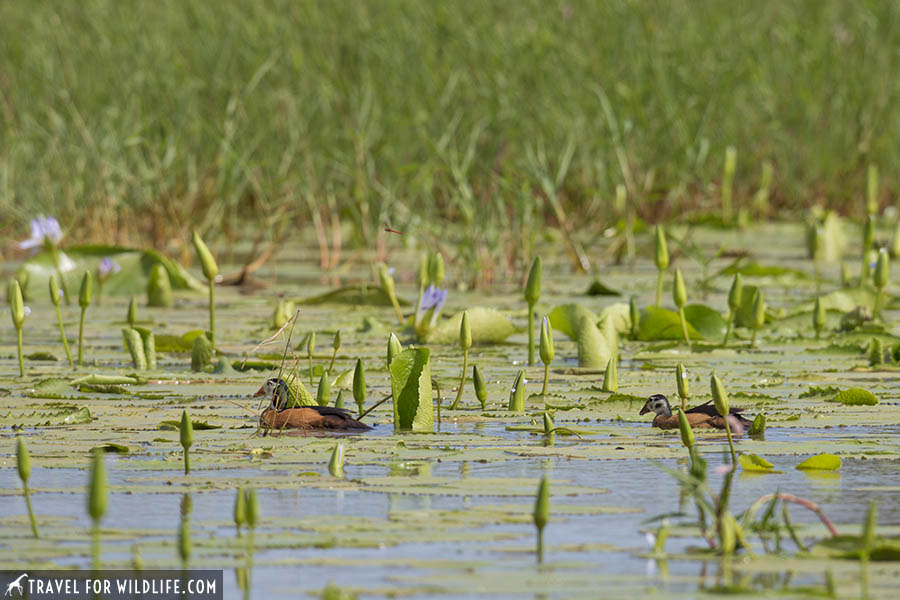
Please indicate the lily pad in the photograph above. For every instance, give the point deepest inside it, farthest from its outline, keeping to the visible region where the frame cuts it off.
(174, 425)
(821, 462)
(708, 322)
(752, 462)
(663, 324)
(489, 326)
(598, 288)
(411, 390)
(357, 295)
(594, 348)
(856, 397)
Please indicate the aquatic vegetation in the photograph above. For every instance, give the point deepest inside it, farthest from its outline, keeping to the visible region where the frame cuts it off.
(84, 300)
(239, 512)
(186, 437)
(411, 390)
(23, 465)
(547, 353)
(159, 288)
(310, 349)
(336, 462)
(517, 394)
(541, 515)
(728, 182)
(210, 271)
(97, 502)
(868, 242)
(131, 315)
(881, 278)
(759, 314)
(821, 462)
(135, 346)
(720, 399)
(818, 316)
(532, 294)
(323, 391)
(393, 348)
(201, 353)
(17, 312)
(611, 377)
(480, 386)
(387, 283)
(335, 346)
(55, 298)
(679, 296)
(735, 296)
(465, 342)
(359, 385)
(681, 383)
(662, 261)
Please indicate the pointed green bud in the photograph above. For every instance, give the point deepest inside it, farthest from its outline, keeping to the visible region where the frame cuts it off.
(207, 262)
(868, 234)
(684, 427)
(240, 508)
(759, 310)
(876, 352)
(882, 269)
(662, 251)
(23, 462)
(681, 381)
(135, 347)
(16, 304)
(311, 343)
(533, 285)
(86, 291)
(393, 348)
(184, 540)
(387, 280)
(132, 312)
(359, 383)
(872, 190)
(436, 268)
(727, 533)
(611, 377)
(547, 352)
(159, 288)
(323, 392)
(424, 275)
(720, 398)
(541, 512)
(480, 386)
(548, 423)
(148, 340)
(336, 464)
(635, 314)
(517, 393)
(339, 401)
(465, 332)
(252, 508)
(280, 316)
(736, 293)
(868, 532)
(97, 487)
(54, 291)
(679, 292)
(336, 342)
(186, 430)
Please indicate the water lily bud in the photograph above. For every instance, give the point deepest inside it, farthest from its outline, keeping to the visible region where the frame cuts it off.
(393, 348)
(339, 402)
(868, 234)
(323, 393)
(720, 398)
(97, 487)
(882, 269)
(759, 310)
(681, 380)
(876, 352)
(541, 512)
(207, 262)
(135, 347)
(465, 332)
(736, 293)
(548, 423)
(387, 280)
(23, 462)
(240, 508)
(868, 533)
(16, 304)
(727, 533)
(684, 427)
(132, 312)
(159, 288)
(186, 431)
(424, 276)
(872, 190)
(359, 383)
(533, 285)
(517, 393)
(54, 291)
(184, 540)
(86, 291)
(336, 342)
(635, 315)
(280, 316)
(730, 161)
(436, 268)
(252, 508)
(611, 377)
(662, 251)
(679, 293)
(311, 343)
(336, 464)
(480, 386)
(819, 315)
(547, 352)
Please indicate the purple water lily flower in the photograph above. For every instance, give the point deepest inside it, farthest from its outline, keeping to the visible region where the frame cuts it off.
(42, 228)
(108, 267)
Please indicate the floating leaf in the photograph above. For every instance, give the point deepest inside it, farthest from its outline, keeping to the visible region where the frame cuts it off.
(131, 279)
(111, 448)
(708, 322)
(598, 288)
(489, 326)
(411, 389)
(175, 425)
(752, 462)
(43, 356)
(856, 397)
(82, 415)
(663, 324)
(754, 269)
(821, 462)
(365, 295)
(595, 348)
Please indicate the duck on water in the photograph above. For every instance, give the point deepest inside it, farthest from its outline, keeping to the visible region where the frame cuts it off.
(318, 418)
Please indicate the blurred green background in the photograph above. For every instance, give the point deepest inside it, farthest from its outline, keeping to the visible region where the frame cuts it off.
(133, 122)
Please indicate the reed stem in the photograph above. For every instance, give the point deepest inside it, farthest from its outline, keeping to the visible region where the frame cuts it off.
(62, 333)
(34, 527)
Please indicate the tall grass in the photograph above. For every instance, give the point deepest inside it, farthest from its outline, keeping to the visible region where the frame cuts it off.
(148, 119)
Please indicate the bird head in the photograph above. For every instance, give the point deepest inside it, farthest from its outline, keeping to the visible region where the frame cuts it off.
(276, 389)
(658, 404)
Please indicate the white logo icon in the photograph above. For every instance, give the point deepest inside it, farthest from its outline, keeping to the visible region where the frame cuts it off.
(16, 585)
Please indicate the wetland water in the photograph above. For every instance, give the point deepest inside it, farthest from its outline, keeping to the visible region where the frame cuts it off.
(449, 513)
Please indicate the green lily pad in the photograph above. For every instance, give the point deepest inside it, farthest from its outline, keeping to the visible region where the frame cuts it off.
(821, 462)
(112, 448)
(856, 397)
(42, 356)
(663, 324)
(167, 342)
(358, 295)
(708, 322)
(489, 326)
(174, 425)
(752, 462)
(131, 279)
(96, 379)
(411, 389)
(754, 269)
(595, 348)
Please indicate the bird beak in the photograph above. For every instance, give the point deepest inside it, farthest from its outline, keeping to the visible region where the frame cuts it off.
(644, 410)
(260, 392)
